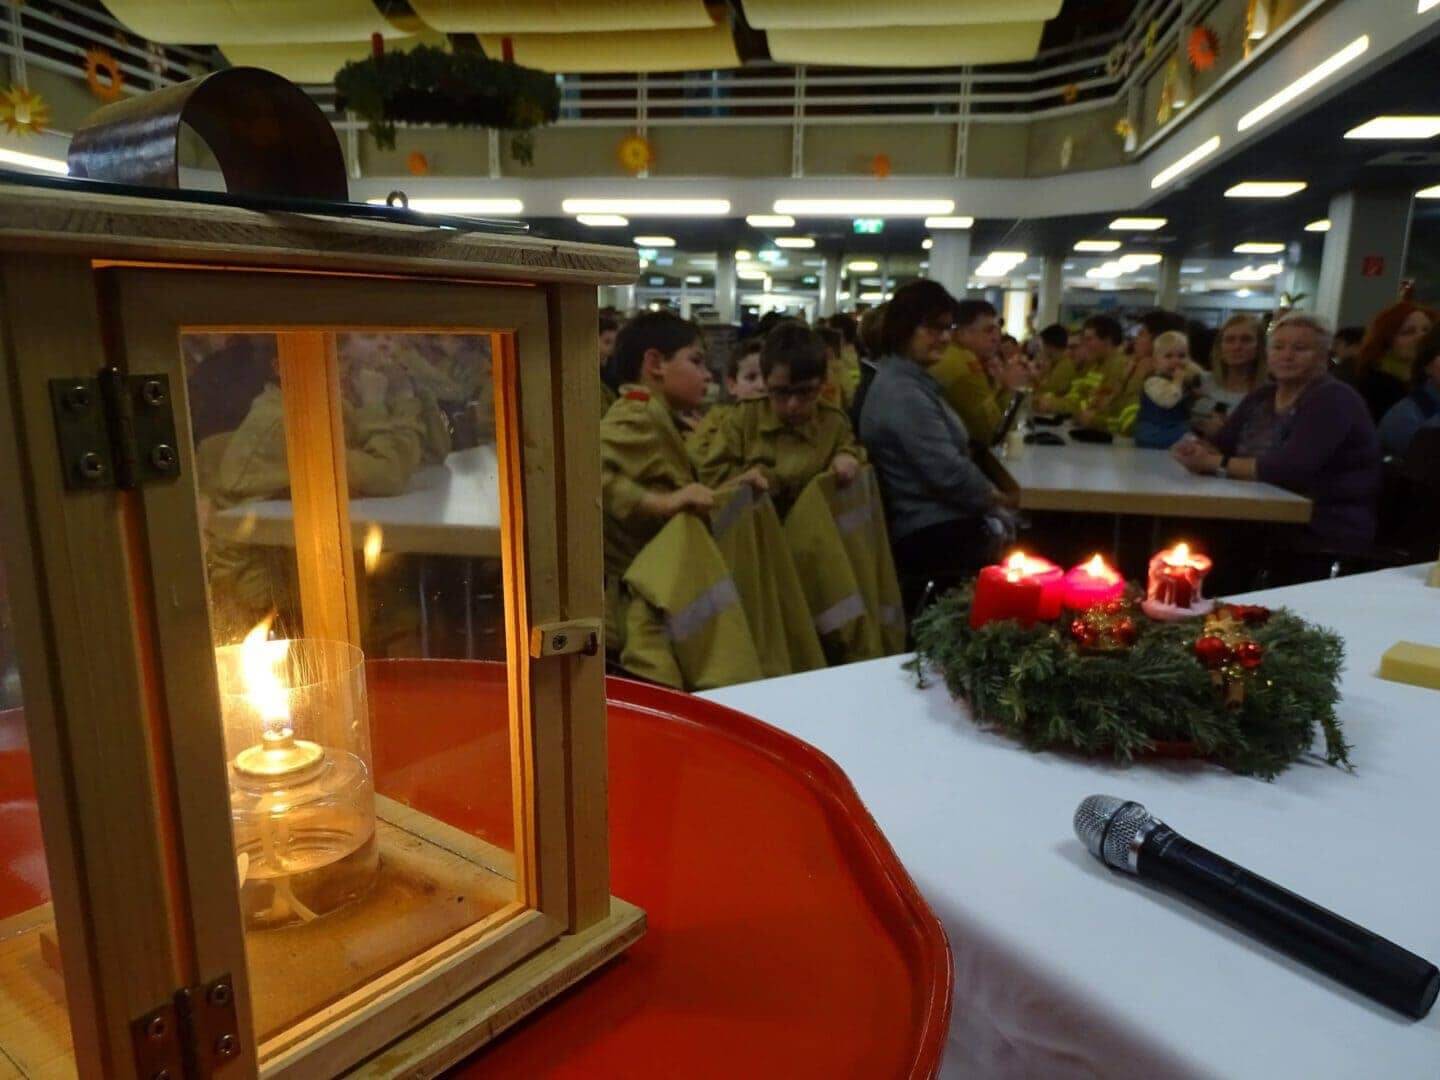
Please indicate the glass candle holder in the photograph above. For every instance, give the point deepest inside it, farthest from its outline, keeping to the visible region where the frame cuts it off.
(1175, 585)
(302, 796)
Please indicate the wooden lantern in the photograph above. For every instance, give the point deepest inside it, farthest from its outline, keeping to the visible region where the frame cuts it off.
(162, 949)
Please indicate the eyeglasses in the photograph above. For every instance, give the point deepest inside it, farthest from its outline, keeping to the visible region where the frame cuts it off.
(803, 392)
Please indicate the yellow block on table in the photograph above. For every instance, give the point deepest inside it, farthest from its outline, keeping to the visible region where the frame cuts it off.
(1411, 662)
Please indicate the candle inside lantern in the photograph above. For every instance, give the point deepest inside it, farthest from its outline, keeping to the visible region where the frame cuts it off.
(1174, 586)
(1022, 588)
(302, 808)
(1092, 583)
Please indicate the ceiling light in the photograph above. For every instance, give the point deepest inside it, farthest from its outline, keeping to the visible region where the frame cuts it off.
(646, 255)
(809, 279)
(1397, 127)
(1323, 225)
(741, 255)
(1096, 245)
(813, 262)
(770, 221)
(1137, 224)
(1429, 192)
(926, 244)
(949, 222)
(1242, 292)
(872, 297)
(1139, 259)
(693, 279)
(43, 164)
(644, 264)
(864, 207)
(999, 263)
(461, 206)
(769, 255)
(1425, 5)
(795, 241)
(603, 221)
(649, 207)
(871, 281)
(1265, 189)
(1192, 269)
(1312, 78)
(1105, 270)
(1187, 161)
(751, 275)
(656, 280)
(653, 241)
(862, 266)
(1258, 247)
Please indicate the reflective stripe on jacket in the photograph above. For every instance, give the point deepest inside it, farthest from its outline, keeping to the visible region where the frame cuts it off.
(860, 518)
(837, 607)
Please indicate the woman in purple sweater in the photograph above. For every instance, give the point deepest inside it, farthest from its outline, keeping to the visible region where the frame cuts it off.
(1306, 432)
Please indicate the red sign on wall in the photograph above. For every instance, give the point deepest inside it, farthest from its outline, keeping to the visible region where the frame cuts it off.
(1372, 266)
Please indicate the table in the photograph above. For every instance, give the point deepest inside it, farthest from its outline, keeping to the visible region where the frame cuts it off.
(449, 509)
(1064, 968)
(1120, 479)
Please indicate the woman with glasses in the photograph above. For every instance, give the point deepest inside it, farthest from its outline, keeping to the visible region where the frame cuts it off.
(939, 502)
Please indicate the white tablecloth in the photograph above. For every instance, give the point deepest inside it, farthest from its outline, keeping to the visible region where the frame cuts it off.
(1064, 968)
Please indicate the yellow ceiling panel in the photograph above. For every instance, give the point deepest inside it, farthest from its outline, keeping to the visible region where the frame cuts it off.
(253, 22)
(639, 50)
(316, 62)
(909, 46)
(560, 16)
(852, 14)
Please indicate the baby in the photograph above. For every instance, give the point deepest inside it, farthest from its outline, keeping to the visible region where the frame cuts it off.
(1168, 395)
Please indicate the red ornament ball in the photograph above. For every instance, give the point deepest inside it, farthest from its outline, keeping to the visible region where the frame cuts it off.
(1082, 632)
(1248, 654)
(1125, 631)
(1212, 651)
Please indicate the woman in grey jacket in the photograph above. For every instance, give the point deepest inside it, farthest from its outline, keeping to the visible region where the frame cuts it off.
(936, 496)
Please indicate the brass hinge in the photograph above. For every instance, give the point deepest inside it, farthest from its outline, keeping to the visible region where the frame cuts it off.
(115, 431)
(192, 1037)
(561, 638)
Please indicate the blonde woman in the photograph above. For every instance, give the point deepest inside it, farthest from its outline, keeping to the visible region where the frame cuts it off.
(1237, 366)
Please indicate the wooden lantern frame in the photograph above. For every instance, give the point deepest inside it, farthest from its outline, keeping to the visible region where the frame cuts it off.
(109, 594)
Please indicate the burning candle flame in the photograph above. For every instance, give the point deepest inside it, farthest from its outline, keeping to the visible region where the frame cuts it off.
(1179, 555)
(260, 667)
(1097, 567)
(374, 545)
(1015, 566)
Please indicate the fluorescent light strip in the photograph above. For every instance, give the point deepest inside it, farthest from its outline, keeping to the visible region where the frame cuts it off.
(862, 266)
(653, 241)
(1190, 160)
(794, 241)
(1137, 260)
(864, 207)
(1258, 247)
(927, 244)
(1137, 224)
(1265, 189)
(949, 222)
(1425, 5)
(1323, 225)
(37, 162)
(693, 279)
(1397, 127)
(649, 207)
(770, 221)
(1097, 245)
(1429, 192)
(1312, 78)
(603, 221)
(461, 206)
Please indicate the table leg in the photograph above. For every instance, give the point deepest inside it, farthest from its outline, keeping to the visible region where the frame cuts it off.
(424, 609)
(469, 586)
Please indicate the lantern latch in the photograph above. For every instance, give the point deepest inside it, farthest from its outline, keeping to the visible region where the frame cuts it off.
(212, 1032)
(115, 431)
(562, 638)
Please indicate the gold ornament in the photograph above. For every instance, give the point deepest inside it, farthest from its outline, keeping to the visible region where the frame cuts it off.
(635, 154)
(23, 112)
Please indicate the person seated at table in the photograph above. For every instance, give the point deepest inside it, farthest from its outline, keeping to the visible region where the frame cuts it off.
(1116, 402)
(870, 350)
(1421, 407)
(1237, 365)
(840, 383)
(971, 375)
(849, 363)
(403, 359)
(1054, 368)
(1168, 394)
(788, 436)
(939, 502)
(1345, 351)
(1383, 368)
(1098, 359)
(1304, 431)
(743, 382)
(608, 327)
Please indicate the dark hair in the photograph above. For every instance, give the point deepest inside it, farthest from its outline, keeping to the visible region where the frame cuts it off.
(1349, 335)
(794, 345)
(847, 326)
(869, 331)
(967, 312)
(1055, 335)
(1010, 338)
(662, 330)
(1105, 327)
(748, 347)
(914, 303)
(1160, 321)
(1425, 352)
(769, 321)
(608, 322)
(833, 339)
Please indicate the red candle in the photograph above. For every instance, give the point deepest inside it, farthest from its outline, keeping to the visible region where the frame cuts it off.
(1173, 589)
(1022, 588)
(1092, 583)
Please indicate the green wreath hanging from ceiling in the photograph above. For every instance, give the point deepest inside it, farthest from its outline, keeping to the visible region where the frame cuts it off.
(427, 85)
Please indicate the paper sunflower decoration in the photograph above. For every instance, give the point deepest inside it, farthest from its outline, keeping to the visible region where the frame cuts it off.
(635, 154)
(103, 75)
(880, 166)
(1070, 94)
(1203, 48)
(23, 112)
(1124, 128)
(417, 163)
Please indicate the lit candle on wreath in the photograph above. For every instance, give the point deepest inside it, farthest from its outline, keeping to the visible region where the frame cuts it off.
(1091, 584)
(1175, 586)
(1023, 588)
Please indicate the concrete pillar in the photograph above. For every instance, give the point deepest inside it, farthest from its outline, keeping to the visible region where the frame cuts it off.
(830, 285)
(1052, 285)
(1167, 292)
(1364, 256)
(1304, 260)
(726, 300)
(950, 260)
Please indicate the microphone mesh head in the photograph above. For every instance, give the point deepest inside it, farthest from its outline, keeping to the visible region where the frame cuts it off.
(1107, 826)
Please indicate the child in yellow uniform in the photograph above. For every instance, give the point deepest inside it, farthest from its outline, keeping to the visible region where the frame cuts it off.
(1054, 367)
(743, 382)
(790, 436)
(609, 326)
(1115, 405)
(1099, 363)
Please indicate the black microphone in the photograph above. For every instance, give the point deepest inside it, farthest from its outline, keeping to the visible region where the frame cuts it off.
(1126, 836)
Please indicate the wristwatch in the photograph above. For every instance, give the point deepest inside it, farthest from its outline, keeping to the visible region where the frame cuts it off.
(1224, 470)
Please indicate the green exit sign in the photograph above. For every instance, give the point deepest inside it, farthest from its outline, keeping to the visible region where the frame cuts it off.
(869, 225)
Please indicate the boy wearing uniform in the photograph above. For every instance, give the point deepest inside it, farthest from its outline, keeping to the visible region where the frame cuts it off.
(963, 375)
